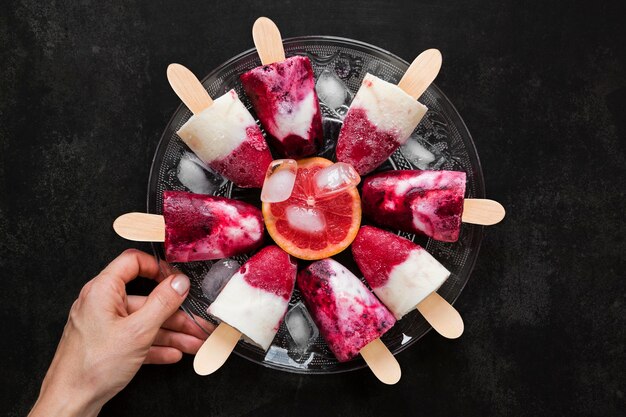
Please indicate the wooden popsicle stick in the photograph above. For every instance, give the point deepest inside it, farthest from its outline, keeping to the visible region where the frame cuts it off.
(482, 211)
(216, 349)
(382, 363)
(188, 88)
(442, 316)
(421, 73)
(269, 44)
(140, 227)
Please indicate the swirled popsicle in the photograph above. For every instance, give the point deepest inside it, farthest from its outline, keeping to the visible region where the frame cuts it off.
(348, 315)
(282, 92)
(202, 227)
(425, 202)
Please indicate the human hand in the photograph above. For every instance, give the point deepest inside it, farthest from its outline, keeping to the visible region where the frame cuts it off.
(109, 334)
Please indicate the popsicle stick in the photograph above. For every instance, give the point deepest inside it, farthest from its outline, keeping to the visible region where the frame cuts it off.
(188, 88)
(382, 363)
(421, 73)
(140, 227)
(442, 316)
(216, 349)
(482, 211)
(269, 44)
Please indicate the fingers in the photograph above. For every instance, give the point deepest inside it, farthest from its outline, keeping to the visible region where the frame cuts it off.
(181, 322)
(163, 302)
(162, 355)
(130, 264)
(135, 302)
(166, 271)
(178, 322)
(183, 342)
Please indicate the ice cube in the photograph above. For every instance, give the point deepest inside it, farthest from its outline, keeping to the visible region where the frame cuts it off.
(300, 326)
(334, 179)
(417, 154)
(305, 219)
(332, 91)
(217, 277)
(196, 176)
(279, 180)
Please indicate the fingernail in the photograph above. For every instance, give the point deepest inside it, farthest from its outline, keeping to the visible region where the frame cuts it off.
(180, 283)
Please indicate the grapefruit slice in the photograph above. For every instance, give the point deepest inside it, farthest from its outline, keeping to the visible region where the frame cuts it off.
(310, 228)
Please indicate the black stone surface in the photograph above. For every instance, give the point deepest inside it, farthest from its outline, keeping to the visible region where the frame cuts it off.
(542, 87)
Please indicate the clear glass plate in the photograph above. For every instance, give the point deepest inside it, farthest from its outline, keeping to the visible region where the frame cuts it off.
(441, 141)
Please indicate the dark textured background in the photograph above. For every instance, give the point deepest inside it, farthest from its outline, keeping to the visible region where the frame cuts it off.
(542, 87)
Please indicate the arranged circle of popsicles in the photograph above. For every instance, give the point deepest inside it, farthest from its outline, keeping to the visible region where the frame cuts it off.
(401, 274)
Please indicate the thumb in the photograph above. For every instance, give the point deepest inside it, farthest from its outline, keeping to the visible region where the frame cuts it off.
(164, 300)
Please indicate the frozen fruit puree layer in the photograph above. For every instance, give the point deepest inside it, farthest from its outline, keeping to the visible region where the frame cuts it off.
(400, 272)
(202, 227)
(426, 202)
(226, 137)
(348, 315)
(284, 98)
(380, 119)
(256, 298)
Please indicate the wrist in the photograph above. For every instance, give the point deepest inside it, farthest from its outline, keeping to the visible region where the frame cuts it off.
(57, 401)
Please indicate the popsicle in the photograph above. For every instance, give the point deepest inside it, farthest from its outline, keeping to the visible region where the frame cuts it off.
(282, 92)
(196, 227)
(222, 132)
(348, 315)
(253, 303)
(403, 275)
(382, 115)
(426, 202)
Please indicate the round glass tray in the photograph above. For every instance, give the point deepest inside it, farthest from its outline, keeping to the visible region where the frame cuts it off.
(441, 141)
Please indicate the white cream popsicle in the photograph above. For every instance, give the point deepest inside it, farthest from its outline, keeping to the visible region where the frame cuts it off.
(380, 119)
(400, 273)
(226, 137)
(256, 298)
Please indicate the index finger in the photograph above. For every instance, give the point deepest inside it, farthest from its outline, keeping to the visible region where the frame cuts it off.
(131, 264)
